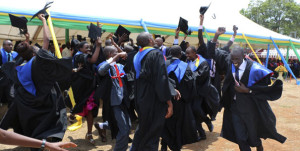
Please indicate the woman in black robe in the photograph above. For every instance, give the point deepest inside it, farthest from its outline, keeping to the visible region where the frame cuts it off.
(84, 84)
(38, 110)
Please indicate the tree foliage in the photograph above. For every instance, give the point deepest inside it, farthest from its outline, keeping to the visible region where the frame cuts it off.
(281, 16)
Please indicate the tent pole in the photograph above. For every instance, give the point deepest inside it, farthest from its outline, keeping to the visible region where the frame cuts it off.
(144, 25)
(292, 45)
(57, 52)
(36, 33)
(283, 60)
(267, 58)
(251, 48)
(67, 35)
(287, 54)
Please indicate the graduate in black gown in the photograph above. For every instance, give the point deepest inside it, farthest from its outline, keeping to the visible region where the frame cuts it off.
(207, 101)
(152, 94)
(247, 115)
(84, 84)
(180, 129)
(215, 73)
(38, 110)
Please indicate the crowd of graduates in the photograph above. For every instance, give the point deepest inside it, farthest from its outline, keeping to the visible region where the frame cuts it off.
(171, 92)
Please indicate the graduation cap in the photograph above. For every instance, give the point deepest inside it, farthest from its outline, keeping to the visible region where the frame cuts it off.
(43, 11)
(121, 30)
(184, 27)
(19, 22)
(94, 31)
(203, 9)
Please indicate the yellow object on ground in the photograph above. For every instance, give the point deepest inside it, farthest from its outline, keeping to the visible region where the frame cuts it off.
(76, 125)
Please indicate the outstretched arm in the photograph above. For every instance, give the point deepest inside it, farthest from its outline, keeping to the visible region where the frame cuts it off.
(114, 44)
(219, 56)
(46, 32)
(230, 42)
(11, 138)
(200, 30)
(97, 51)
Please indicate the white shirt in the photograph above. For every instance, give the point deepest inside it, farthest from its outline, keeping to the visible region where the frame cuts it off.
(242, 68)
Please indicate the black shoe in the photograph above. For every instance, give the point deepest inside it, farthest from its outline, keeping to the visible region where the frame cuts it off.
(210, 126)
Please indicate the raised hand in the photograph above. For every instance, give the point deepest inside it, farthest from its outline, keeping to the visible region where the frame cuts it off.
(235, 28)
(98, 42)
(41, 17)
(221, 30)
(122, 38)
(177, 32)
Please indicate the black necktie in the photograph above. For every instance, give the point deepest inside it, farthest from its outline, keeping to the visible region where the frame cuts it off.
(8, 57)
(237, 74)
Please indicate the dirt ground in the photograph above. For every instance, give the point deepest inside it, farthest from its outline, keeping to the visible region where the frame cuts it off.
(286, 109)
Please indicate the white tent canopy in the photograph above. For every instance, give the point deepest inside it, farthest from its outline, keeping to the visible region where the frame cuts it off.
(155, 11)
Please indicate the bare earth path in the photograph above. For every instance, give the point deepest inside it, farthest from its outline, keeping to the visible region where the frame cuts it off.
(286, 109)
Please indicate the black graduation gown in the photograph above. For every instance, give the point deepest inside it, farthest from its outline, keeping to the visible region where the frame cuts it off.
(180, 129)
(207, 94)
(129, 70)
(152, 91)
(83, 84)
(44, 115)
(253, 109)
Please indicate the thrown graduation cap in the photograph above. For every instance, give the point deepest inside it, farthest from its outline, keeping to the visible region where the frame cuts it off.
(43, 11)
(203, 9)
(94, 31)
(19, 22)
(184, 27)
(121, 30)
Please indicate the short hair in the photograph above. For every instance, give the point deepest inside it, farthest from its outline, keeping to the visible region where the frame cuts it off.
(107, 50)
(108, 42)
(175, 51)
(237, 49)
(128, 48)
(193, 48)
(5, 41)
(81, 44)
(143, 39)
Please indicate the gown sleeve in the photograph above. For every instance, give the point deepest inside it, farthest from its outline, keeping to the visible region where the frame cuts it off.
(51, 68)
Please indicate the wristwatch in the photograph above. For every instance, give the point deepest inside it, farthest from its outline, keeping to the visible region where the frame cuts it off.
(43, 144)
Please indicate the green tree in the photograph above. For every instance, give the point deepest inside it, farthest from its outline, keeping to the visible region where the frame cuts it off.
(278, 15)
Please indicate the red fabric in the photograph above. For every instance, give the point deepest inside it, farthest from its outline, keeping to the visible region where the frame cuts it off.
(118, 76)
